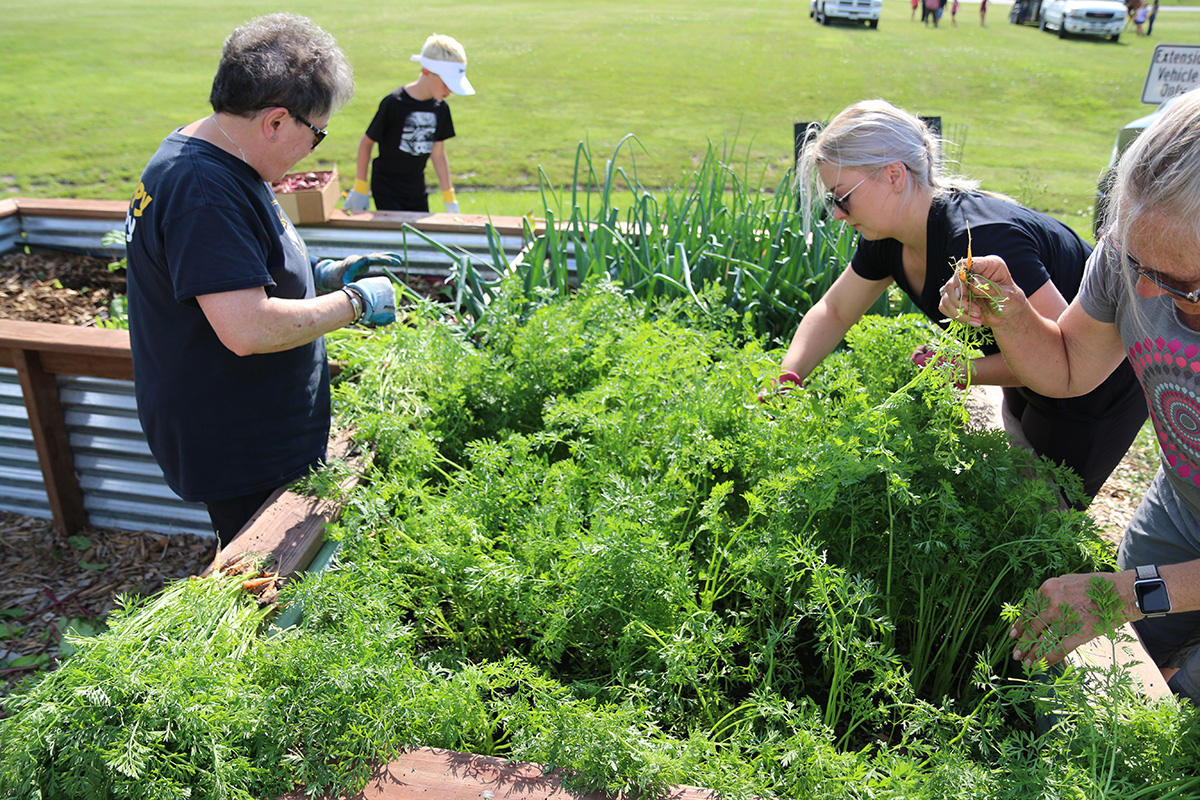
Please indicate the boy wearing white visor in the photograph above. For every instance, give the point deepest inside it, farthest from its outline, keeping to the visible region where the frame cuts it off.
(411, 127)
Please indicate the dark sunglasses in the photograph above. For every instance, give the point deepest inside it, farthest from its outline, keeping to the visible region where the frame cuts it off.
(318, 134)
(1192, 296)
(831, 200)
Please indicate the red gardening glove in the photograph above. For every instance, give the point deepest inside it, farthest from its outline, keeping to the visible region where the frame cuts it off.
(925, 356)
(786, 381)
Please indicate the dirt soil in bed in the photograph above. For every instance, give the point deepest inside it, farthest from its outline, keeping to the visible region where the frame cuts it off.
(48, 582)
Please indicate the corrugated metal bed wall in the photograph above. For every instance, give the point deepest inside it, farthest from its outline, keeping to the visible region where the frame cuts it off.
(122, 486)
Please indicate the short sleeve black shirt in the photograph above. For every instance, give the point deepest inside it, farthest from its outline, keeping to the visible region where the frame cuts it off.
(1036, 247)
(220, 425)
(405, 130)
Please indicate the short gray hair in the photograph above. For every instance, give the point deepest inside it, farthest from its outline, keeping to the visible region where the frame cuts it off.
(281, 60)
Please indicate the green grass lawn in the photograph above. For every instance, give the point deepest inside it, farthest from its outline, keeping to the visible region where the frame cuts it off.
(88, 89)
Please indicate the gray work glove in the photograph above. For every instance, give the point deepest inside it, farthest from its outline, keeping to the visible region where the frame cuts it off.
(356, 201)
(330, 274)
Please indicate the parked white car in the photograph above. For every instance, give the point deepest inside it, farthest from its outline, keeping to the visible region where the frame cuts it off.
(826, 11)
(1084, 18)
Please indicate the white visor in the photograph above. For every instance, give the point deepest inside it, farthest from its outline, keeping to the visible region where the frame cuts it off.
(452, 73)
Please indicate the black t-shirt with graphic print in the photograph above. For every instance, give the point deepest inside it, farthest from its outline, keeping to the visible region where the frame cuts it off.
(405, 130)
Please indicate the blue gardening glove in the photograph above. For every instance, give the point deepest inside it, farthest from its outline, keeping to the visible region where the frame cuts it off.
(330, 274)
(451, 208)
(379, 300)
(359, 198)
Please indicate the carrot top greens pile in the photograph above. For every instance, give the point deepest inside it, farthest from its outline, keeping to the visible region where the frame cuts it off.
(585, 543)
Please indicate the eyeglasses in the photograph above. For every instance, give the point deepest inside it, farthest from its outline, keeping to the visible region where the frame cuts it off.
(840, 202)
(1192, 296)
(318, 134)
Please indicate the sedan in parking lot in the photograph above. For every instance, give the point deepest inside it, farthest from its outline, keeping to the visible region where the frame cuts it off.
(1084, 18)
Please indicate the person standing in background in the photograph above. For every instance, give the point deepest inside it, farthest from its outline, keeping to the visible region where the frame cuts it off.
(411, 128)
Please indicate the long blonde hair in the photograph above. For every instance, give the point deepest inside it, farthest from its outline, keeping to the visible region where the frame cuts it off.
(868, 135)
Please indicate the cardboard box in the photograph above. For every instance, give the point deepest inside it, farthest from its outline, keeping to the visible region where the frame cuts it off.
(307, 206)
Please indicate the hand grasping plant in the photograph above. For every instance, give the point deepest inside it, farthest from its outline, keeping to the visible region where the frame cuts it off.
(1068, 611)
(979, 292)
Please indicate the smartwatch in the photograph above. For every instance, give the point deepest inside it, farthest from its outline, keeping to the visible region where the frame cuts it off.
(1150, 592)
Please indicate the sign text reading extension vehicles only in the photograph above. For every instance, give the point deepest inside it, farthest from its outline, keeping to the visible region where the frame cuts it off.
(1174, 69)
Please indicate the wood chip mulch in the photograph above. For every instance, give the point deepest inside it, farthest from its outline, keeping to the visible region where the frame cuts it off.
(56, 287)
(49, 582)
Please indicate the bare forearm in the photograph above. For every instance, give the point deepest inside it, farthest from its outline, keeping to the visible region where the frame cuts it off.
(1065, 355)
(249, 324)
(366, 147)
(992, 370)
(441, 168)
(818, 333)
(1075, 592)
(1035, 353)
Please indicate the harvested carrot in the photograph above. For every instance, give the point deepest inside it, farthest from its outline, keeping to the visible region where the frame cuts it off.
(964, 266)
(978, 287)
(256, 583)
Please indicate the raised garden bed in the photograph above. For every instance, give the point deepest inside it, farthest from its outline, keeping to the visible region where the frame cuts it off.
(77, 289)
(50, 583)
(586, 546)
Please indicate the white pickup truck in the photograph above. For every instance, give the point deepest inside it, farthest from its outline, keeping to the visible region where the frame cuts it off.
(867, 11)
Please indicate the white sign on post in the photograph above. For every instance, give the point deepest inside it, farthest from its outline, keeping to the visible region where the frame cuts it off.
(1174, 69)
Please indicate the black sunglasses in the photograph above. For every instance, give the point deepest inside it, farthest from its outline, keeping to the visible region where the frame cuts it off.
(832, 200)
(1192, 296)
(318, 134)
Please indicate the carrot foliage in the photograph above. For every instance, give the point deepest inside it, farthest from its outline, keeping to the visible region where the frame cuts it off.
(585, 543)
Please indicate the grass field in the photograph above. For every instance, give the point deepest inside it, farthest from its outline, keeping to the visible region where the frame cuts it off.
(88, 89)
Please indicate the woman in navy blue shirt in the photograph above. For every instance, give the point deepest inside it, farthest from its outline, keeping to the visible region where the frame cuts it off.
(225, 323)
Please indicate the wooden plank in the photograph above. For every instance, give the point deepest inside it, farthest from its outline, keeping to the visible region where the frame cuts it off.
(289, 528)
(68, 349)
(73, 208)
(431, 222)
(425, 773)
(51, 442)
(56, 338)
(93, 366)
(8, 207)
